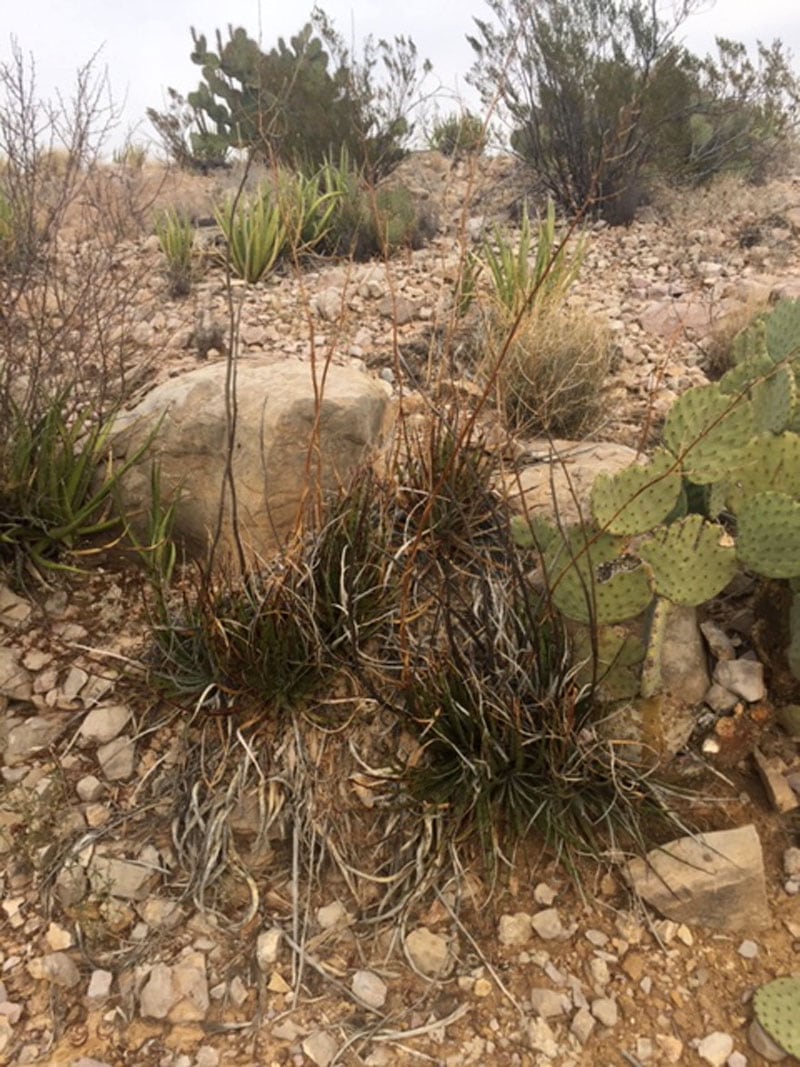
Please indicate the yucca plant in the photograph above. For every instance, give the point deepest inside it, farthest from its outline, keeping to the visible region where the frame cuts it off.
(521, 277)
(255, 233)
(307, 205)
(51, 496)
(158, 551)
(176, 235)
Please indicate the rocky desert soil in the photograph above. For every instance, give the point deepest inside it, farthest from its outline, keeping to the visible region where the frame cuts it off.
(107, 959)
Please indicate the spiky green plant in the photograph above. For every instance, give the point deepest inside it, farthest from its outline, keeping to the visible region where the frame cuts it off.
(459, 134)
(176, 236)
(307, 204)
(535, 269)
(51, 497)
(255, 233)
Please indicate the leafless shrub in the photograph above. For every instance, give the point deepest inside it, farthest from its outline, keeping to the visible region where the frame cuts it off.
(67, 292)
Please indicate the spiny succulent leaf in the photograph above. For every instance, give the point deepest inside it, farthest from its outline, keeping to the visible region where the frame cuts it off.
(707, 431)
(593, 580)
(782, 330)
(638, 498)
(537, 533)
(768, 534)
(751, 343)
(777, 1008)
(747, 371)
(691, 561)
(774, 399)
(718, 499)
(770, 462)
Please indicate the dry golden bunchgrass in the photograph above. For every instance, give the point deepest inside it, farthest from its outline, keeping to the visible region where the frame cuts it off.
(550, 379)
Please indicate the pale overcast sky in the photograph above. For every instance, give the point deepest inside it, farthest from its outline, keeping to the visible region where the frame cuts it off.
(145, 44)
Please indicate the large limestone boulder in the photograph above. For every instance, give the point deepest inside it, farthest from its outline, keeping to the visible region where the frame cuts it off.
(275, 464)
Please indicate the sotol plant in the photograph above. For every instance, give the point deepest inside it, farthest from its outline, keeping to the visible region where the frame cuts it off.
(738, 442)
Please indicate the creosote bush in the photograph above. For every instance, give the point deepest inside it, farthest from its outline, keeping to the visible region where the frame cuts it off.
(599, 97)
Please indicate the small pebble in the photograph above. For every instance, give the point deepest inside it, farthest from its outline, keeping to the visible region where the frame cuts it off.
(715, 1048)
(605, 1011)
(748, 950)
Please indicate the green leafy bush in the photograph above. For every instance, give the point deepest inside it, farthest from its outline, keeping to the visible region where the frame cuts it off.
(460, 134)
(598, 96)
(368, 222)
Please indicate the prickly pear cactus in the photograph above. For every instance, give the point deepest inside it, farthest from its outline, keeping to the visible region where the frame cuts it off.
(751, 343)
(771, 462)
(592, 579)
(638, 498)
(745, 372)
(691, 560)
(768, 534)
(782, 330)
(538, 533)
(774, 400)
(777, 1008)
(708, 431)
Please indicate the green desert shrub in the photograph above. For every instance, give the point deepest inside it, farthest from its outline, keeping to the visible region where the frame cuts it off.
(459, 134)
(368, 222)
(598, 97)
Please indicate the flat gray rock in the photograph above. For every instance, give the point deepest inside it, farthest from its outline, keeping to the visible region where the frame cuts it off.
(715, 880)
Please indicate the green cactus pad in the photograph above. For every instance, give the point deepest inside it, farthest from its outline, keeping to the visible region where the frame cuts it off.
(537, 533)
(690, 561)
(777, 1008)
(782, 330)
(612, 665)
(593, 579)
(768, 528)
(751, 343)
(707, 431)
(638, 498)
(745, 372)
(770, 462)
(774, 400)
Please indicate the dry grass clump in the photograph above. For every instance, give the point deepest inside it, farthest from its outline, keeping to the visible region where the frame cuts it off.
(552, 371)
